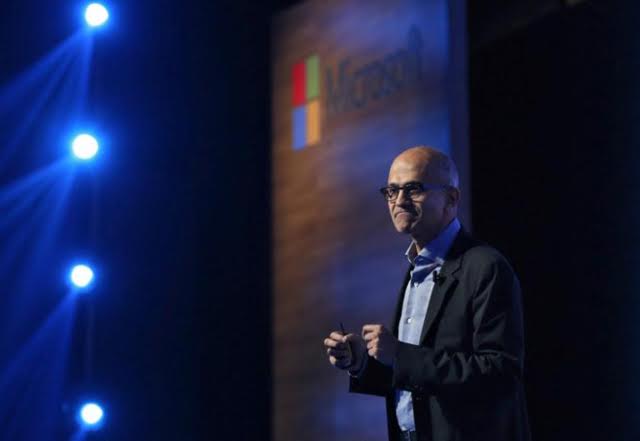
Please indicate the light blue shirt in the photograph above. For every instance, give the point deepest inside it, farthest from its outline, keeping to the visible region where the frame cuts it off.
(416, 302)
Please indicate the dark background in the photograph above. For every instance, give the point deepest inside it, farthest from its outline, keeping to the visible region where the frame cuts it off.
(178, 210)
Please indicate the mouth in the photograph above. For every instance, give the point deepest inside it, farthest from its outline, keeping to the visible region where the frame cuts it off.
(405, 213)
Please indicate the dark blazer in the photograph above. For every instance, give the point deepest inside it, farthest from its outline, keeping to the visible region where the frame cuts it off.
(465, 376)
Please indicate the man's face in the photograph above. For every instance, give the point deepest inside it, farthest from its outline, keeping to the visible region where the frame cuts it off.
(426, 214)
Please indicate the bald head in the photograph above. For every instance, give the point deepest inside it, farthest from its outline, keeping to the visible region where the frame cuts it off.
(433, 165)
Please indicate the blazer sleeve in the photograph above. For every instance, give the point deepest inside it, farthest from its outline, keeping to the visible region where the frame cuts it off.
(497, 343)
(375, 379)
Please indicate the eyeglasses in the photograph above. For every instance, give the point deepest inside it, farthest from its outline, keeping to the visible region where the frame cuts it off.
(412, 190)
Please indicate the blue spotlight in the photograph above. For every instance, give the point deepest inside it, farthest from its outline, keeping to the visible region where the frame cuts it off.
(81, 276)
(85, 146)
(96, 15)
(91, 416)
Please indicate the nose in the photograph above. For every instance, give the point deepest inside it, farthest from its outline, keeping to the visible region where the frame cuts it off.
(402, 198)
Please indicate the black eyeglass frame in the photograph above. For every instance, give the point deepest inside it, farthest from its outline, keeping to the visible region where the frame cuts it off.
(419, 186)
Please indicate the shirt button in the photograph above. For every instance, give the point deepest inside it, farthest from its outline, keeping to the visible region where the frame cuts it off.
(409, 320)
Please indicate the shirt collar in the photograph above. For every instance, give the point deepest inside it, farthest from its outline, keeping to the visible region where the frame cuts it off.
(437, 249)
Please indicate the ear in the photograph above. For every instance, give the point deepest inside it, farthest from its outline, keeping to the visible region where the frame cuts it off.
(453, 196)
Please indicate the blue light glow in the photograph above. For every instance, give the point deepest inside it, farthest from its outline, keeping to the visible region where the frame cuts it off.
(91, 416)
(85, 146)
(96, 15)
(81, 276)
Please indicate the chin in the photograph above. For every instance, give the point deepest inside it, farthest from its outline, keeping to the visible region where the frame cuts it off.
(404, 228)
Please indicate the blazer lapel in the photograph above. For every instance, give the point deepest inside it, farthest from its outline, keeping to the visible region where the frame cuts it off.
(440, 291)
(447, 280)
(395, 325)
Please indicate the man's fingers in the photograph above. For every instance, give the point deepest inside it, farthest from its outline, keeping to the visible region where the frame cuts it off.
(330, 343)
(366, 329)
(333, 343)
(335, 335)
(339, 363)
(370, 336)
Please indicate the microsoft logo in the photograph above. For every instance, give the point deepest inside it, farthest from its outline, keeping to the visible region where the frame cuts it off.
(306, 102)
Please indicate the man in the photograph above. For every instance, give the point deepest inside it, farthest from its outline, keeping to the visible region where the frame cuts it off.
(450, 367)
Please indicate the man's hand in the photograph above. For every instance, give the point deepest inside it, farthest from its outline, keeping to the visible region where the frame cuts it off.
(381, 344)
(346, 351)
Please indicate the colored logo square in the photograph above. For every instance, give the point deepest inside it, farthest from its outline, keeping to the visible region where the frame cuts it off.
(299, 116)
(313, 122)
(299, 84)
(311, 76)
